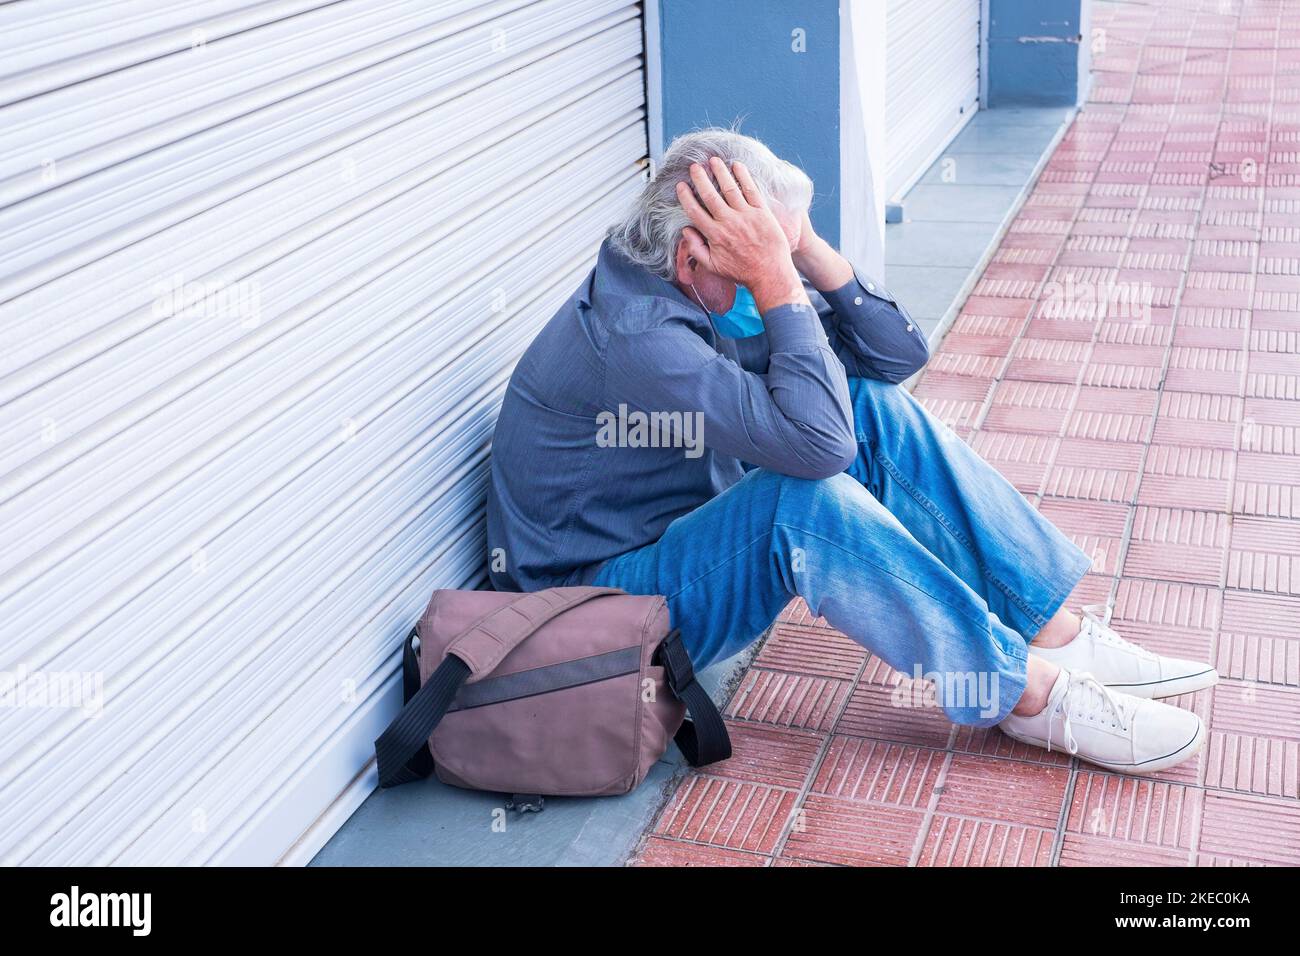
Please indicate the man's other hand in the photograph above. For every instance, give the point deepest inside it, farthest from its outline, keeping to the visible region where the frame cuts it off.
(813, 256)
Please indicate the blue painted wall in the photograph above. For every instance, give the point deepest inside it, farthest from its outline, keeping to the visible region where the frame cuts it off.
(1037, 52)
(725, 61)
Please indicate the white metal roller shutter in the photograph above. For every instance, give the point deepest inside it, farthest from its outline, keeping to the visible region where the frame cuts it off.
(931, 84)
(230, 503)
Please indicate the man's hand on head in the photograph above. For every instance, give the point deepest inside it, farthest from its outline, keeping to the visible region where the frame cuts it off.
(818, 261)
(737, 236)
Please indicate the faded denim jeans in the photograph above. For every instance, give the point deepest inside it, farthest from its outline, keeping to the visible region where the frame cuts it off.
(920, 551)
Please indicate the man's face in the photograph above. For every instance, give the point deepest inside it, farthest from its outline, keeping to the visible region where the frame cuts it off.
(717, 293)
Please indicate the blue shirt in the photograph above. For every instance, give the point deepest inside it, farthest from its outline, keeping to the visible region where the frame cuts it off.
(576, 482)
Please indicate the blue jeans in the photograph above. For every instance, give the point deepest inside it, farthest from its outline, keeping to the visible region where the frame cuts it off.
(921, 552)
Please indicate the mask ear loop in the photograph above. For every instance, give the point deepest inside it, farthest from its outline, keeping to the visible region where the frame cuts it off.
(697, 294)
(699, 300)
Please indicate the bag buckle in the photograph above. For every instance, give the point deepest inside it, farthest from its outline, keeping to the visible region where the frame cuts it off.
(678, 669)
(526, 803)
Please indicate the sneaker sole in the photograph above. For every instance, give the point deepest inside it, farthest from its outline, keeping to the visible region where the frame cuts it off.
(1155, 765)
(1156, 690)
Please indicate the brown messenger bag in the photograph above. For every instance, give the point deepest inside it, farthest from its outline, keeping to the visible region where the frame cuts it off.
(571, 691)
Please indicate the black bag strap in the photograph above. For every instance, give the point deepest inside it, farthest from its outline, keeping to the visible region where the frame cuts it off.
(421, 764)
(703, 739)
(402, 750)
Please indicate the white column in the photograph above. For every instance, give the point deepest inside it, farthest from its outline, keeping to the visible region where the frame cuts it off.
(862, 133)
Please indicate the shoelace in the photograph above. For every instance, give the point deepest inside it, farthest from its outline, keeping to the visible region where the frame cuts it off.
(1096, 622)
(1084, 697)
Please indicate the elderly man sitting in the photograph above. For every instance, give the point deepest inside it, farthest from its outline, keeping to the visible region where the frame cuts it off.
(715, 416)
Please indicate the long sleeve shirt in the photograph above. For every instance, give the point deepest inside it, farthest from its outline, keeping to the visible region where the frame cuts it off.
(629, 410)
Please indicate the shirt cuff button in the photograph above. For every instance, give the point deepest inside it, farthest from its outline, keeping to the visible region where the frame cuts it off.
(871, 287)
(857, 300)
(910, 327)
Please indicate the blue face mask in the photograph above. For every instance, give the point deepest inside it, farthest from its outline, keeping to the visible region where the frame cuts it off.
(741, 320)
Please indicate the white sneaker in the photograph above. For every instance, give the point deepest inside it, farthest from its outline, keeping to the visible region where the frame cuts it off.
(1113, 730)
(1124, 666)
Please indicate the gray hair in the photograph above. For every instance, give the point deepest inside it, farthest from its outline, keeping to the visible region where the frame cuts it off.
(650, 233)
